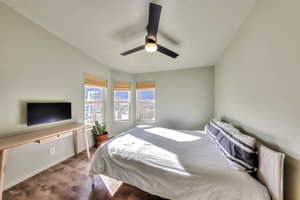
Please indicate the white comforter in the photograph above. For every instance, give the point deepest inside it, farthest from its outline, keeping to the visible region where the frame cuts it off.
(178, 165)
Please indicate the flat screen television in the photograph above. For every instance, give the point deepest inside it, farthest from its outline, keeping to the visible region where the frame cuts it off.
(39, 113)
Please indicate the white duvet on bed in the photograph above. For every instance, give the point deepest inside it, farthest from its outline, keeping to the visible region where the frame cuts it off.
(178, 165)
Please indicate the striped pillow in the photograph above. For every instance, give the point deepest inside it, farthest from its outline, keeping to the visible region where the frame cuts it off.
(239, 149)
(212, 130)
(250, 141)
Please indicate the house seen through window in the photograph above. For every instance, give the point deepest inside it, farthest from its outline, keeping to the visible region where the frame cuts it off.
(121, 105)
(93, 104)
(145, 104)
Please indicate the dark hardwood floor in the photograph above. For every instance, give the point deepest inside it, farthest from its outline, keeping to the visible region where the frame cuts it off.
(68, 181)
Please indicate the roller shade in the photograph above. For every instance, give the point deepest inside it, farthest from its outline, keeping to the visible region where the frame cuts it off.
(145, 85)
(91, 80)
(120, 85)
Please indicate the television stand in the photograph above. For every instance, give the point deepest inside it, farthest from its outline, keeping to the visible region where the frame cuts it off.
(40, 136)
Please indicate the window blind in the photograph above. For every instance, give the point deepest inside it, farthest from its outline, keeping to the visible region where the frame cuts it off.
(91, 80)
(120, 85)
(145, 85)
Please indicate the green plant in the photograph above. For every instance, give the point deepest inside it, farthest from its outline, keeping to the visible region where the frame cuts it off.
(99, 129)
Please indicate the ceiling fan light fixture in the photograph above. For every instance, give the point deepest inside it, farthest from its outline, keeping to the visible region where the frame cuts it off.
(151, 37)
(151, 47)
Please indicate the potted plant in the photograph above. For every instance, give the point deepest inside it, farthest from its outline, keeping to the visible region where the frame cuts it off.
(100, 134)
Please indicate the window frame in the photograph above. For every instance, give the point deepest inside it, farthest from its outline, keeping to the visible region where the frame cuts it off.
(129, 106)
(137, 107)
(94, 102)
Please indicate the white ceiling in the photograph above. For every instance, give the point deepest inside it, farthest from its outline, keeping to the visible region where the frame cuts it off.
(103, 29)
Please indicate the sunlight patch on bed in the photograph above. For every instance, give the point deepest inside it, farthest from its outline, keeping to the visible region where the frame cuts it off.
(173, 135)
(111, 184)
(130, 147)
(144, 126)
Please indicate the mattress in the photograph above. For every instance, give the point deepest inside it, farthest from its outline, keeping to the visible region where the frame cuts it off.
(174, 164)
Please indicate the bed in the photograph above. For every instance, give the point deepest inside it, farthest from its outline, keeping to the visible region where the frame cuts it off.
(185, 165)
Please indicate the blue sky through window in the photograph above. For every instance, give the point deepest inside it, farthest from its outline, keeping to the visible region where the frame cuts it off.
(146, 94)
(93, 93)
(122, 95)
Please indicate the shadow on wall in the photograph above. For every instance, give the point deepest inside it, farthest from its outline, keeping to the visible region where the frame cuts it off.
(178, 125)
(291, 166)
(23, 112)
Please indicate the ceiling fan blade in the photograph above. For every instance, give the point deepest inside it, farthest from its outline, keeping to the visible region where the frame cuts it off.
(133, 50)
(167, 36)
(166, 51)
(154, 15)
(131, 32)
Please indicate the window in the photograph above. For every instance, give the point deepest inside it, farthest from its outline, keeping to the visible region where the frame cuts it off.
(94, 99)
(145, 104)
(93, 104)
(121, 105)
(121, 100)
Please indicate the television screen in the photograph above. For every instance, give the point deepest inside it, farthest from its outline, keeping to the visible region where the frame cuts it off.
(38, 113)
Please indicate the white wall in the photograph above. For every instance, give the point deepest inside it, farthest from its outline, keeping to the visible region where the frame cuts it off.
(257, 82)
(37, 66)
(184, 98)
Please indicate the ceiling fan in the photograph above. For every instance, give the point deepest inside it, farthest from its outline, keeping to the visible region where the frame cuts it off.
(151, 38)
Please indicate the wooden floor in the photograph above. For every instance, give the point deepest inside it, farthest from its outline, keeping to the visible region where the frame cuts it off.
(68, 181)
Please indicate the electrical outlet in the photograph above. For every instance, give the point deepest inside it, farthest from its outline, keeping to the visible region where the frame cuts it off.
(52, 150)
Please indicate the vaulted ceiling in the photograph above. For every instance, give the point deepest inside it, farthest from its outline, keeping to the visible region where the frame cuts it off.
(199, 30)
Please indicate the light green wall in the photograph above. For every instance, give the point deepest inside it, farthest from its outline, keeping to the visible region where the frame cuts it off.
(184, 98)
(257, 82)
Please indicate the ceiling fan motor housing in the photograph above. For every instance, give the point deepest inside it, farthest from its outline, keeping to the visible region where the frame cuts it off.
(150, 39)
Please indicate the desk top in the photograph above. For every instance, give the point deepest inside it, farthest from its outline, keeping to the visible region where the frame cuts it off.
(29, 137)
